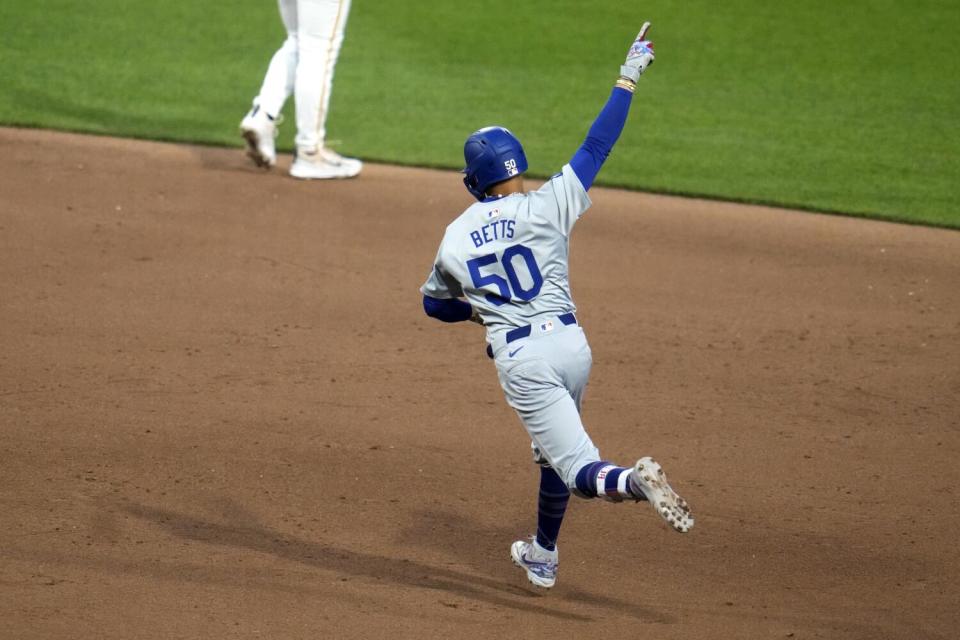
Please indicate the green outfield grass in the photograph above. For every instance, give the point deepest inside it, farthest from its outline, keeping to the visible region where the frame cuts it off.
(851, 107)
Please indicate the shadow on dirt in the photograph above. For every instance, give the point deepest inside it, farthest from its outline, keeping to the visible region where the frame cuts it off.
(456, 534)
(403, 571)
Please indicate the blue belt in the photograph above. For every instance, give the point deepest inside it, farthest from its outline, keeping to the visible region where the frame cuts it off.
(523, 332)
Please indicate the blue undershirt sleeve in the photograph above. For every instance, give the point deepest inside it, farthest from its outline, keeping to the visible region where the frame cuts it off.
(603, 134)
(447, 309)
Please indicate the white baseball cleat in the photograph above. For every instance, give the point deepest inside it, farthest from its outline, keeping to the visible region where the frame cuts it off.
(648, 477)
(260, 130)
(323, 164)
(540, 564)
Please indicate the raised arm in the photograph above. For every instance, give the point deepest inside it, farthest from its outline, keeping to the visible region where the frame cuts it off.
(605, 131)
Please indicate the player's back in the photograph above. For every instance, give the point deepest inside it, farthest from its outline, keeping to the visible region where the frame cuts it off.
(509, 255)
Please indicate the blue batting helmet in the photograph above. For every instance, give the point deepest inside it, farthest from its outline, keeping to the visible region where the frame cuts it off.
(492, 155)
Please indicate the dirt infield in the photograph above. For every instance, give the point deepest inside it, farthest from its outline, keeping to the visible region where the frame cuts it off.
(223, 413)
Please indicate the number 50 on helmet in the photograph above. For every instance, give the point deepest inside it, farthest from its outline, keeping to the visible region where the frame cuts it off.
(491, 155)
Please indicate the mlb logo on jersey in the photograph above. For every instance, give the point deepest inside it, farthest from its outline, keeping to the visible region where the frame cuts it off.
(547, 326)
(493, 213)
(511, 167)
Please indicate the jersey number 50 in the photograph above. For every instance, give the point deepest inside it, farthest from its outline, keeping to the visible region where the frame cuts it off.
(512, 281)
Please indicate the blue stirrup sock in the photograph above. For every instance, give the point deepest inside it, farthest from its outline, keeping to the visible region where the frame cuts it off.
(551, 507)
(606, 480)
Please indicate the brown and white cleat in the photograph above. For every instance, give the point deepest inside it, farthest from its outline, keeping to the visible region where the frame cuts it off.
(323, 164)
(259, 131)
(649, 478)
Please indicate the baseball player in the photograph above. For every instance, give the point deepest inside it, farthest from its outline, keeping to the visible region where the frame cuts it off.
(302, 66)
(508, 256)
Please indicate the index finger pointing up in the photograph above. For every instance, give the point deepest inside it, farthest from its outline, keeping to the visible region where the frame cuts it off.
(643, 31)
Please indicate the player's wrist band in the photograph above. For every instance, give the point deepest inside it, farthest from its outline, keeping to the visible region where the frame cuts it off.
(626, 83)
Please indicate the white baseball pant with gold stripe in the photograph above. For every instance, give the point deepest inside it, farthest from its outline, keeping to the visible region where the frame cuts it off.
(304, 65)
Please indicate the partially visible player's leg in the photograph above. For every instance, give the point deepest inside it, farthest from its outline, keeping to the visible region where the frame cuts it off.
(278, 83)
(545, 388)
(552, 421)
(540, 557)
(535, 390)
(551, 507)
(644, 481)
(320, 35)
(259, 126)
(549, 414)
(321, 29)
(544, 384)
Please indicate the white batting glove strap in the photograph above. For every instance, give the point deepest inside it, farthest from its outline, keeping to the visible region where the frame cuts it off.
(639, 57)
